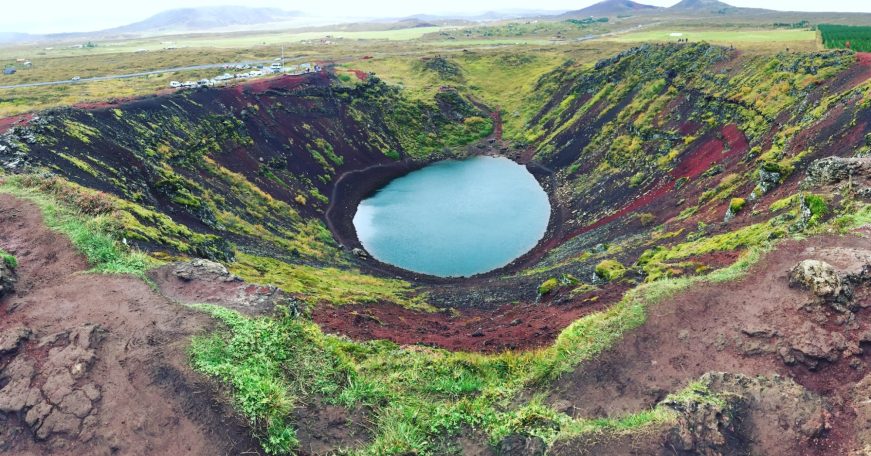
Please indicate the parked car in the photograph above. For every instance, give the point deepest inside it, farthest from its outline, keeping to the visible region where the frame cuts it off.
(174, 84)
(75, 78)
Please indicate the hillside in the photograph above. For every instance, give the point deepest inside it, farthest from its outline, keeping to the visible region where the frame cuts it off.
(668, 306)
(610, 8)
(707, 7)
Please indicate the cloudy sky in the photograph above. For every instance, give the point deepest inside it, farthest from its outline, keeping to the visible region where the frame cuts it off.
(49, 16)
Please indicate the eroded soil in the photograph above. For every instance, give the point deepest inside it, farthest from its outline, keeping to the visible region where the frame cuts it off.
(754, 326)
(98, 364)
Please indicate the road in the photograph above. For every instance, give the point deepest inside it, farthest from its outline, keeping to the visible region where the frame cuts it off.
(221, 65)
(136, 75)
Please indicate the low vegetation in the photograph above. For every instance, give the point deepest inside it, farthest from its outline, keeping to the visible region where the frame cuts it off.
(853, 37)
(89, 232)
(8, 259)
(417, 395)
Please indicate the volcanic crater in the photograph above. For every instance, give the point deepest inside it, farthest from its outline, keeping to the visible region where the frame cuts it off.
(655, 174)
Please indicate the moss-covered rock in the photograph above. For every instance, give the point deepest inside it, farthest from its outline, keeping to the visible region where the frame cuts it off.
(548, 286)
(609, 270)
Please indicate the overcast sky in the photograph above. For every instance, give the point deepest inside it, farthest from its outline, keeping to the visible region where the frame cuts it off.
(49, 16)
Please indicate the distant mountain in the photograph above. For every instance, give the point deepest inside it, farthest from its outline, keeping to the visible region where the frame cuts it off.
(12, 37)
(486, 16)
(612, 8)
(205, 18)
(708, 7)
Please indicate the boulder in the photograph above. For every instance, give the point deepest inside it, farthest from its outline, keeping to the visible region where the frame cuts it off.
(732, 414)
(819, 277)
(201, 269)
(833, 170)
(521, 445)
(11, 339)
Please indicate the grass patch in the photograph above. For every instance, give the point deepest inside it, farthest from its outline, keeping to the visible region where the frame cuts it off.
(8, 259)
(418, 395)
(317, 285)
(88, 233)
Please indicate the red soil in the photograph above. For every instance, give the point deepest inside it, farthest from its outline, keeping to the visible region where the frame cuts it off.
(496, 115)
(852, 77)
(9, 122)
(509, 327)
(696, 160)
(361, 75)
(707, 329)
(283, 82)
(149, 400)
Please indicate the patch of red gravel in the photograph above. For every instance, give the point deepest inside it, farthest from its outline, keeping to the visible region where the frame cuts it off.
(361, 75)
(509, 327)
(14, 121)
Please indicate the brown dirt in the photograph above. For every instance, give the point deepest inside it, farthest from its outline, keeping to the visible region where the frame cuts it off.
(110, 337)
(708, 328)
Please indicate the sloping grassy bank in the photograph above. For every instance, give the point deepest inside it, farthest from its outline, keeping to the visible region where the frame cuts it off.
(417, 395)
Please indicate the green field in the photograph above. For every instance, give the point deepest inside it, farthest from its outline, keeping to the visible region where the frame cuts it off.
(839, 36)
(721, 36)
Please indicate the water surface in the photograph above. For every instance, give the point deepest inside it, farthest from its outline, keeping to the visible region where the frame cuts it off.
(455, 218)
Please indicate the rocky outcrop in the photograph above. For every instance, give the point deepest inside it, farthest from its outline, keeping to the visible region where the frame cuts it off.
(812, 345)
(834, 170)
(837, 173)
(201, 269)
(731, 414)
(837, 296)
(7, 279)
(821, 279)
(207, 282)
(11, 339)
(521, 445)
(53, 395)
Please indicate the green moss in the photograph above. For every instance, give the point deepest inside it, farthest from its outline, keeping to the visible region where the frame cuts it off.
(548, 286)
(816, 207)
(317, 285)
(609, 270)
(783, 203)
(8, 259)
(736, 205)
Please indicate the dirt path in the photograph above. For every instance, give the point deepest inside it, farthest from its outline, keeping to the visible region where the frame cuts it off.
(751, 327)
(97, 364)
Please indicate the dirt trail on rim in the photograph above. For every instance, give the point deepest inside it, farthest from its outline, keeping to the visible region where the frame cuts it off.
(97, 364)
(751, 326)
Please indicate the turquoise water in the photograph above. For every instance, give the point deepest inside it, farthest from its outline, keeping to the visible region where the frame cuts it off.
(455, 218)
